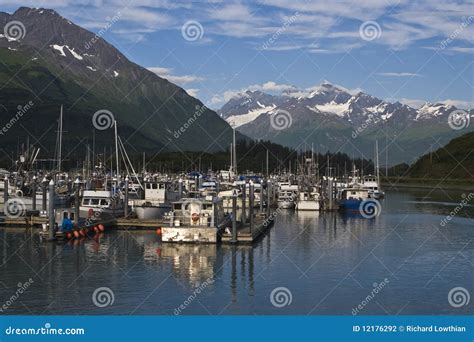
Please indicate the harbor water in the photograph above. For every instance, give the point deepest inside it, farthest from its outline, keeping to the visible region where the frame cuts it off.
(403, 262)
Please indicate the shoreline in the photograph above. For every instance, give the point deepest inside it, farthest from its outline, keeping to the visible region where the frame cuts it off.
(444, 186)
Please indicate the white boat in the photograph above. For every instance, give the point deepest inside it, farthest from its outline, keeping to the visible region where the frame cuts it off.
(158, 198)
(196, 220)
(308, 200)
(101, 204)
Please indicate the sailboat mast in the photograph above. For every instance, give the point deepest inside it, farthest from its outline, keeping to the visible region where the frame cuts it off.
(60, 138)
(377, 162)
(116, 150)
(234, 147)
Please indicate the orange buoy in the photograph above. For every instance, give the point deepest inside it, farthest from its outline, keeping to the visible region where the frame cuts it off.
(101, 227)
(158, 231)
(76, 234)
(96, 229)
(83, 232)
(68, 235)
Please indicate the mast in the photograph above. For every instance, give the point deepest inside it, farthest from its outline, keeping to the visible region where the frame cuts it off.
(60, 138)
(234, 147)
(377, 163)
(267, 162)
(116, 149)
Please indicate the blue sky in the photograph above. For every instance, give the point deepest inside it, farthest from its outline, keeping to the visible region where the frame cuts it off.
(411, 51)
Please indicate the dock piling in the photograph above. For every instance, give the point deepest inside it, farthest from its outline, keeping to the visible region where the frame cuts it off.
(33, 199)
(51, 210)
(76, 202)
(45, 184)
(244, 200)
(125, 210)
(5, 191)
(234, 217)
(251, 205)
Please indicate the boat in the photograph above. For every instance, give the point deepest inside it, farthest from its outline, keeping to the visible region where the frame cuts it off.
(308, 200)
(103, 204)
(196, 220)
(350, 199)
(157, 201)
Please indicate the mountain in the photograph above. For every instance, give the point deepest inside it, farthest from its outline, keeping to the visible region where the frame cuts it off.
(56, 62)
(453, 161)
(333, 119)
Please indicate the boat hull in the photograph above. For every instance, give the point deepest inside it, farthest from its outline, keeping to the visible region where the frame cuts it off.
(151, 212)
(307, 206)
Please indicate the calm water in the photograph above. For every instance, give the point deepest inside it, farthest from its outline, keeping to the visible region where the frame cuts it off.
(328, 261)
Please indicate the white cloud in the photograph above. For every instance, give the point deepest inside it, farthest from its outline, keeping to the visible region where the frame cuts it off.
(192, 91)
(399, 74)
(180, 80)
(416, 103)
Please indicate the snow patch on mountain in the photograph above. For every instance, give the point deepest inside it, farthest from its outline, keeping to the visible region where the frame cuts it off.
(340, 109)
(240, 120)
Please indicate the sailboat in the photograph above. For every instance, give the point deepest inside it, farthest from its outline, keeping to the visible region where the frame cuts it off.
(372, 183)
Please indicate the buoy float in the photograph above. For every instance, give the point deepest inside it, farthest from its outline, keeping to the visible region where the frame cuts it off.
(158, 231)
(101, 227)
(83, 232)
(68, 235)
(76, 234)
(96, 229)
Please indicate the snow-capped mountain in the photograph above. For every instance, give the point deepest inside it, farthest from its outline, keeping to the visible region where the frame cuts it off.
(49, 59)
(331, 117)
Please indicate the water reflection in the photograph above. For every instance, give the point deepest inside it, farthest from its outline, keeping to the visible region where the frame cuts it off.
(311, 253)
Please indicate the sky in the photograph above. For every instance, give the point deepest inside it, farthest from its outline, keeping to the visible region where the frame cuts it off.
(408, 51)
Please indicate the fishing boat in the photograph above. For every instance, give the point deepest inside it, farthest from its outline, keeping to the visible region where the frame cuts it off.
(372, 183)
(158, 198)
(308, 200)
(103, 204)
(351, 198)
(196, 220)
